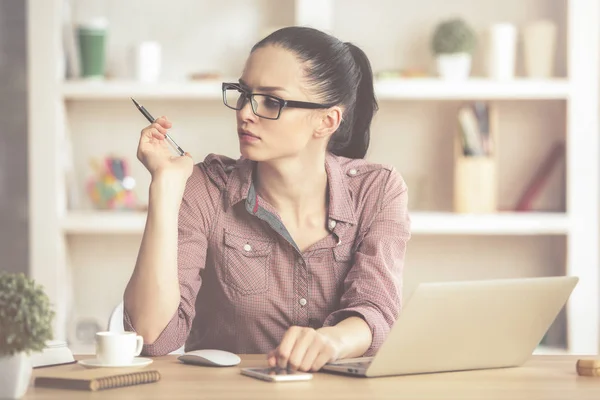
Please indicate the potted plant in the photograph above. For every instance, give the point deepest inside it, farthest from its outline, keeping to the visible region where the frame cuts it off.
(453, 43)
(25, 326)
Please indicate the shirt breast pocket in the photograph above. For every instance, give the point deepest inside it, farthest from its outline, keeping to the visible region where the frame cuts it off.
(343, 259)
(246, 262)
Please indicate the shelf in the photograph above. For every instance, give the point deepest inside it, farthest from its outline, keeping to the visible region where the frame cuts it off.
(104, 222)
(474, 88)
(490, 224)
(115, 90)
(124, 222)
(388, 89)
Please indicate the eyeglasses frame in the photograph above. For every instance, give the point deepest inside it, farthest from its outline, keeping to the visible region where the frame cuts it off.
(282, 102)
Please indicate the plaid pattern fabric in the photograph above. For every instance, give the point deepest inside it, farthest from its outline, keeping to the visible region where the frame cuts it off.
(243, 280)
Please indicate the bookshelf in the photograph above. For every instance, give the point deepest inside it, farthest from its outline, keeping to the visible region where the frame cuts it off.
(64, 242)
(423, 223)
(386, 89)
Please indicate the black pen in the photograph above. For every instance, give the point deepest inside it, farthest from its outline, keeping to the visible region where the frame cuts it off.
(151, 120)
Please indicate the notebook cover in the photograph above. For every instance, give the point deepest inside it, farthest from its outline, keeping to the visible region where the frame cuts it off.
(96, 379)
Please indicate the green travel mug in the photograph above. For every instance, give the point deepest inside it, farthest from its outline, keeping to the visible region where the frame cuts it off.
(92, 48)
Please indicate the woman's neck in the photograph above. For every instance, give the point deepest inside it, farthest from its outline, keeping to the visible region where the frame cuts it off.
(297, 188)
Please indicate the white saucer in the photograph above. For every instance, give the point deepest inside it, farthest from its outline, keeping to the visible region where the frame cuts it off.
(95, 363)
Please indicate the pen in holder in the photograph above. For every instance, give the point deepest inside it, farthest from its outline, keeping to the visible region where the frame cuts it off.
(475, 170)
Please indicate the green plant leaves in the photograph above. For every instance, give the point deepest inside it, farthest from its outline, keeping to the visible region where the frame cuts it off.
(25, 315)
(453, 36)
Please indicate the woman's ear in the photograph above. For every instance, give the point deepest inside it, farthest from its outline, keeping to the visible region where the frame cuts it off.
(328, 122)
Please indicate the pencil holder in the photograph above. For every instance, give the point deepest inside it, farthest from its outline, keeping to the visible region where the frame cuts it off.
(475, 169)
(475, 185)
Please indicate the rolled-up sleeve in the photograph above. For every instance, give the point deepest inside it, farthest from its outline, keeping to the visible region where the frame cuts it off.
(196, 213)
(373, 286)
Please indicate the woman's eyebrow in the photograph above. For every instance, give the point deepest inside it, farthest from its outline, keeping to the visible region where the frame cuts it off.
(262, 88)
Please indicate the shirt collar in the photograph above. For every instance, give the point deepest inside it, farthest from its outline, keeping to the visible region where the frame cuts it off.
(240, 187)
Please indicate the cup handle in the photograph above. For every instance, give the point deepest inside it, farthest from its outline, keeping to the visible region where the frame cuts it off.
(139, 343)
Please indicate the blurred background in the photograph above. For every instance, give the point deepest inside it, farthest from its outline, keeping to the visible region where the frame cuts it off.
(488, 108)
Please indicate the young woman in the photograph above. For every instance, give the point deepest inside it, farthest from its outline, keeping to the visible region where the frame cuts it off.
(295, 250)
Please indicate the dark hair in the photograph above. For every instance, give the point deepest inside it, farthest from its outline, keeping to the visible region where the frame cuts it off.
(339, 73)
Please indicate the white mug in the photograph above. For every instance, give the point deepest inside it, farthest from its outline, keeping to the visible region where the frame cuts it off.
(118, 348)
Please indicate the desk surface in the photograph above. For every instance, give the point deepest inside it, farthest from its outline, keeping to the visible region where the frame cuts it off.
(543, 377)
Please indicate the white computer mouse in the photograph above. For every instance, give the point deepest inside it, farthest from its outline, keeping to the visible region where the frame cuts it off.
(210, 358)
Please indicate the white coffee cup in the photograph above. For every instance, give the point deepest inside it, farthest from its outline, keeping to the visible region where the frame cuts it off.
(118, 348)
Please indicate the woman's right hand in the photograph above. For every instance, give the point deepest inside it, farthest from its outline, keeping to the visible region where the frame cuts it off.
(155, 153)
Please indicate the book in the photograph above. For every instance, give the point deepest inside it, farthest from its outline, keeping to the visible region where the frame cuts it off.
(56, 352)
(96, 379)
(540, 177)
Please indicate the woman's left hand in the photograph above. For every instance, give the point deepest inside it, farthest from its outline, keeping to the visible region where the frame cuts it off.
(304, 349)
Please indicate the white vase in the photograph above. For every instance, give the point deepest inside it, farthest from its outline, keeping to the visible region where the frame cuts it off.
(539, 48)
(15, 375)
(455, 66)
(502, 51)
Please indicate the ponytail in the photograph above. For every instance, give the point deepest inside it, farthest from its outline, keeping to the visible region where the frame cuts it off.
(341, 74)
(363, 110)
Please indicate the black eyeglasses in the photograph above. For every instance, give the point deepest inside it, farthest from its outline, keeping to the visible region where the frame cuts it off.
(263, 105)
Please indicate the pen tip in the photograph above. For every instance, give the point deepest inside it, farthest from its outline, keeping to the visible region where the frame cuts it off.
(134, 102)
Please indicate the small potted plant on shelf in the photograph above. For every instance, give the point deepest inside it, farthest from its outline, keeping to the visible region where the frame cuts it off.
(25, 327)
(453, 43)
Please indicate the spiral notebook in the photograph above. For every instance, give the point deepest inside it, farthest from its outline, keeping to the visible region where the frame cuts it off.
(96, 379)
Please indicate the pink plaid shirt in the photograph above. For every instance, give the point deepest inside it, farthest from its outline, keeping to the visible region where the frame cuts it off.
(243, 280)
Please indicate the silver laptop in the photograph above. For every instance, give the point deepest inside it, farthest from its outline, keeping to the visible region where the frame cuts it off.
(454, 326)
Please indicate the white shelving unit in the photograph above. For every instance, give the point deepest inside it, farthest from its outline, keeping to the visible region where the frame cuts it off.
(423, 223)
(388, 89)
(51, 223)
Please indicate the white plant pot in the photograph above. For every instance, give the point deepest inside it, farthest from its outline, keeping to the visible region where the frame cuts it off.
(454, 66)
(15, 375)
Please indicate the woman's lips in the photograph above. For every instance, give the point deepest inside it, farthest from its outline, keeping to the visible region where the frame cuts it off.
(246, 136)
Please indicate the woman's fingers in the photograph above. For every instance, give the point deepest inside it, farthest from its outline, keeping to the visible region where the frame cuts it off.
(284, 350)
(152, 132)
(312, 353)
(303, 343)
(323, 358)
(159, 128)
(163, 122)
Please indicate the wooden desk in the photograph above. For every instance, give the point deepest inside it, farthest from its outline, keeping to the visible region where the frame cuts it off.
(543, 377)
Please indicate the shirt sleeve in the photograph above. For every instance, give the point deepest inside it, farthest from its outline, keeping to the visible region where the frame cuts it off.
(373, 286)
(196, 213)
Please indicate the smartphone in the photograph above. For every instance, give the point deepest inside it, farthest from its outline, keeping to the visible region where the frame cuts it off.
(275, 374)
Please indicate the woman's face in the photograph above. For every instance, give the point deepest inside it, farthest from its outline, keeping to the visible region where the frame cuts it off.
(275, 71)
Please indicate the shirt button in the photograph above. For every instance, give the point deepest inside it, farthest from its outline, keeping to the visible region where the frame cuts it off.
(247, 247)
(352, 172)
(332, 224)
(302, 302)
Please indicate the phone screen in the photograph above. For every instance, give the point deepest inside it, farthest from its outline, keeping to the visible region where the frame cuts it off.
(276, 374)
